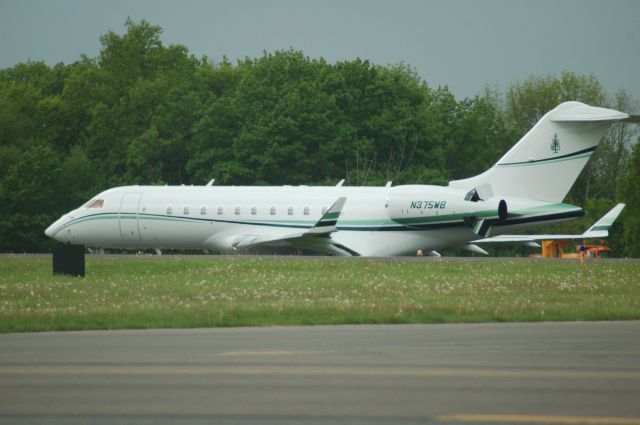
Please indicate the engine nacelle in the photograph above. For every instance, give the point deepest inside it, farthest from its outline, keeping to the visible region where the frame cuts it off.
(415, 206)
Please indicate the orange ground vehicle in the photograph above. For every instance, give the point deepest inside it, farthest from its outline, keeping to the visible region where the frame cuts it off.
(555, 249)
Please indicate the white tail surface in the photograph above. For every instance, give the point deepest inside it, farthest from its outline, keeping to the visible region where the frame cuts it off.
(601, 227)
(546, 162)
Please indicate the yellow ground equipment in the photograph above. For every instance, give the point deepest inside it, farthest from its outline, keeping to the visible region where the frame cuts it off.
(555, 249)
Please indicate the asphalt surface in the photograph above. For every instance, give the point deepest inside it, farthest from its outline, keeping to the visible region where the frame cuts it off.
(544, 373)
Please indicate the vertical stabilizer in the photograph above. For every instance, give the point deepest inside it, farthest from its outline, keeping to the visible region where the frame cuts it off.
(546, 162)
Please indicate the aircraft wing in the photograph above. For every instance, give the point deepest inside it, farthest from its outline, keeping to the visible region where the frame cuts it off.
(599, 230)
(317, 238)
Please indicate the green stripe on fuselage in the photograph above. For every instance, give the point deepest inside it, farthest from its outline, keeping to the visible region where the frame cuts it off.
(359, 224)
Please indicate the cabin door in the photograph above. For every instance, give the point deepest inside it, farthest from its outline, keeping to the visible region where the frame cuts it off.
(128, 216)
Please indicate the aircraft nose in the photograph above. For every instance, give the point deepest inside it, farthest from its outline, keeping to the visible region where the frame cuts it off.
(52, 230)
(49, 230)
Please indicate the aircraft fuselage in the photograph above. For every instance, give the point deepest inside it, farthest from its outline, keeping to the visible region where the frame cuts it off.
(375, 221)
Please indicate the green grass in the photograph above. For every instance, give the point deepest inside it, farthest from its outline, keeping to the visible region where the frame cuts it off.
(177, 292)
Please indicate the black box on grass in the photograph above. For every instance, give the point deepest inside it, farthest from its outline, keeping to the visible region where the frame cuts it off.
(68, 260)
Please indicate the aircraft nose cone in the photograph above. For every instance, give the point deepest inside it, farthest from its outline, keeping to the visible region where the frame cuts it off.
(49, 230)
(52, 230)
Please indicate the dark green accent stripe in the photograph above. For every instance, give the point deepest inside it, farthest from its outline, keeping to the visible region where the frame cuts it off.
(410, 221)
(326, 223)
(251, 223)
(122, 216)
(556, 216)
(493, 222)
(335, 215)
(555, 158)
(414, 227)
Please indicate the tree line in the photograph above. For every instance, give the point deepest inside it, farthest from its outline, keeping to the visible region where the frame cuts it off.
(145, 113)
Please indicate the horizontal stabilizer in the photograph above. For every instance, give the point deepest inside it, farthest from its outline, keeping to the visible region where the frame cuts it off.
(579, 112)
(599, 230)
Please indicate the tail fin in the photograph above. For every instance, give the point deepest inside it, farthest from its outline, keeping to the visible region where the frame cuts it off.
(546, 162)
(601, 227)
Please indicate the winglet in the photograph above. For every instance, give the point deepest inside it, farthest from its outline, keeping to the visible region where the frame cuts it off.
(327, 222)
(601, 227)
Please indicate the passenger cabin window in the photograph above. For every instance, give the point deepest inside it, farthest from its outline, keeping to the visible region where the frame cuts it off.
(237, 211)
(290, 211)
(220, 210)
(305, 211)
(169, 209)
(186, 210)
(98, 203)
(203, 210)
(272, 210)
(254, 210)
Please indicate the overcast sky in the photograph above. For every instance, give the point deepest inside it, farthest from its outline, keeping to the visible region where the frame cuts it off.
(463, 44)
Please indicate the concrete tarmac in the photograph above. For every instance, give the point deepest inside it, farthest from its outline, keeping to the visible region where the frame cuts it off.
(533, 373)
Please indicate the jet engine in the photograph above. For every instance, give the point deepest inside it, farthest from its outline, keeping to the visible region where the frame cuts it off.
(415, 206)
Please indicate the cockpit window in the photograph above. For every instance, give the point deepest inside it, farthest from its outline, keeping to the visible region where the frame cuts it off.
(96, 203)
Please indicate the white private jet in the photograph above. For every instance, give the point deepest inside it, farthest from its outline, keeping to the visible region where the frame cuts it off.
(524, 188)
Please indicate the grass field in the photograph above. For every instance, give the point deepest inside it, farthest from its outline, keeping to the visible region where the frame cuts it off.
(142, 292)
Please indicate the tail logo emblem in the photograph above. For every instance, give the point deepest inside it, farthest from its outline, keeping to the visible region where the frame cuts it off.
(555, 144)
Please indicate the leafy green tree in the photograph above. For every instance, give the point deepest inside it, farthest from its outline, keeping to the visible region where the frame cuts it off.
(481, 137)
(18, 121)
(630, 195)
(142, 112)
(610, 162)
(529, 100)
(145, 100)
(36, 190)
